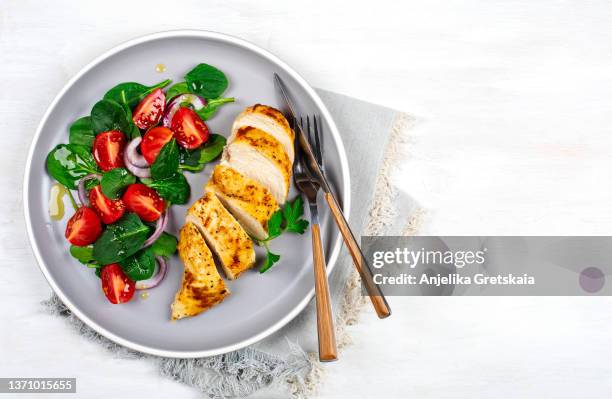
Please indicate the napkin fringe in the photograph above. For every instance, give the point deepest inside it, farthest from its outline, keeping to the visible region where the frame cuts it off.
(383, 212)
(239, 373)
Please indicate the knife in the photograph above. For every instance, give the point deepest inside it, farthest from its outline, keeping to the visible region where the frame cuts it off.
(365, 272)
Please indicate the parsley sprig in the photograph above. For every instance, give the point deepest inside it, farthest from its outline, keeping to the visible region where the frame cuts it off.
(288, 219)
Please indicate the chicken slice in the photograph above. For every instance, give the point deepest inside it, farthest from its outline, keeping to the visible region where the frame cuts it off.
(250, 203)
(259, 156)
(202, 286)
(226, 238)
(271, 121)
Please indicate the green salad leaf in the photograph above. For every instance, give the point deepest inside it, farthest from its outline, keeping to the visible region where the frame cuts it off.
(82, 254)
(165, 245)
(174, 188)
(110, 115)
(81, 132)
(120, 240)
(115, 181)
(206, 81)
(139, 266)
(177, 89)
(207, 111)
(68, 163)
(167, 162)
(195, 160)
(133, 131)
(131, 93)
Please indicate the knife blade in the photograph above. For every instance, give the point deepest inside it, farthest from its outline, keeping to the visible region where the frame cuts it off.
(308, 154)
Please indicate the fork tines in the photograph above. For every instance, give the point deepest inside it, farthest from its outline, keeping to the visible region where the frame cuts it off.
(316, 143)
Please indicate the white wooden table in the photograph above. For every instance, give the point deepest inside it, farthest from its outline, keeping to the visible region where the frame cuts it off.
(514, 137)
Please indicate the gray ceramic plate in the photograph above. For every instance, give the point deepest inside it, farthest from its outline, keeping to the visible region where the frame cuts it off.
(259, 304)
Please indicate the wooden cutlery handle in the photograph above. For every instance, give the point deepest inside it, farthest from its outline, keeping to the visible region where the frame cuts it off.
(378, 300)
(325, 322)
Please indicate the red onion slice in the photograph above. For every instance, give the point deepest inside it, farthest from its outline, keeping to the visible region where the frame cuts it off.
(159, 229)
(195, 101)
(131, 151)
(81, 187)
(135, 170)
(155, 280)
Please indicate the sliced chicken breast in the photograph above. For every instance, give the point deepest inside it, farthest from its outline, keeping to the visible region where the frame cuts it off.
(250, 203)
(271, 121)
(202, 286)
(259, 156)
(223, 233)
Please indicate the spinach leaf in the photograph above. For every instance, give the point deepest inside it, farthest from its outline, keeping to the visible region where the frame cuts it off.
(190, 160)
(114, 181)
(133, 130)
(206, 81)
(81, 132)
(207, 111)
(177, 89)
(131, 93)
(174, 189)
(120, 240)
(139, 266)
(109, 115)
(91, 183)
(165, 245)
(82, 254)
(167, 162)
(194, 161)
(68, 163)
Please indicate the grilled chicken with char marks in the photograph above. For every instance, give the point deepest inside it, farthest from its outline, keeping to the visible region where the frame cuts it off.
(250, 203)
(259, 156)
(243, 193)
(271, 121)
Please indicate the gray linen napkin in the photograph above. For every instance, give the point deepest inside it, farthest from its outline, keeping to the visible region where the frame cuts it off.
(285, 364)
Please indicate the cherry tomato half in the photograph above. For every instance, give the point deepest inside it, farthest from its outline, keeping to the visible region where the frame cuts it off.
(144, 201)
(150, 110)
(109, 210)
(153, 141)
(108, 149)
(190, 131)
(117, 287)
(83, 228)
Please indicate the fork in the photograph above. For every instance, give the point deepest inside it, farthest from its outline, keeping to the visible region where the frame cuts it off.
(376, 296)
(325, 324)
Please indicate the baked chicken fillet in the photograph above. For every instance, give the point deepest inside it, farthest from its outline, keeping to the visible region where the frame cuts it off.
(271, 121)
(226, 238)
(259, 156)
(202, 286)
(250, 203)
